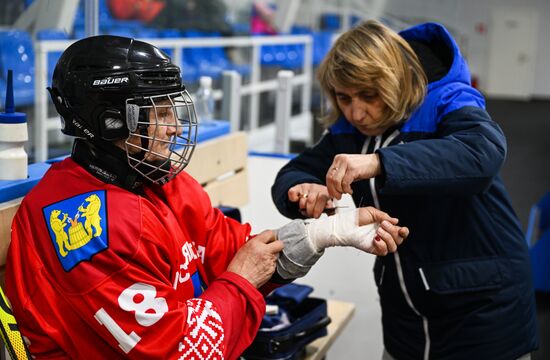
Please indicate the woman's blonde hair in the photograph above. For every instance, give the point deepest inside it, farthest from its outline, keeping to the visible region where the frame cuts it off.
(374, 57)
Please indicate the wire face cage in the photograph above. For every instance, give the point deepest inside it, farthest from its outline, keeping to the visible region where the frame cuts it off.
(163, 133)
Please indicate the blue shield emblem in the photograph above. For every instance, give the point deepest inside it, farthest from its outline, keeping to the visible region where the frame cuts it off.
(78, 227)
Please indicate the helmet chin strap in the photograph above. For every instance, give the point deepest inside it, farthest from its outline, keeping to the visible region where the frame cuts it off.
(107, 162)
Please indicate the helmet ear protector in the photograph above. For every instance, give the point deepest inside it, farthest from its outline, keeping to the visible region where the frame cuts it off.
(111, 121)
(71, 124)
(112, 125)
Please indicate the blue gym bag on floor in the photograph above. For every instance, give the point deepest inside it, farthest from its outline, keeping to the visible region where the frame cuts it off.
(296, 321)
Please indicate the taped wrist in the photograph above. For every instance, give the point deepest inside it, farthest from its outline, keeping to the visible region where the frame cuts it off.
(341, 230)
(299, 254)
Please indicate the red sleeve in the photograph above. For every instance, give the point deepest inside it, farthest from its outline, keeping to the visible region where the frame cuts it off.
(224, 237)
(220, 237)
(240, 322)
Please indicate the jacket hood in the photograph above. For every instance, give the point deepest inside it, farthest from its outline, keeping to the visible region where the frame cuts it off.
(452, 92)
(433, 34)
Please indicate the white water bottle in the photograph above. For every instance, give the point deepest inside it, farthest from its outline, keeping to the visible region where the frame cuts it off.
(13, 136)
(205, 99)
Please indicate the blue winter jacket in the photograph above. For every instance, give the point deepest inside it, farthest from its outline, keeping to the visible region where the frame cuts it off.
(460, 286)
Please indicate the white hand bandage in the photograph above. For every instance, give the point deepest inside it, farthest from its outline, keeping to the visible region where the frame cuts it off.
(305, 241)
(341, 230)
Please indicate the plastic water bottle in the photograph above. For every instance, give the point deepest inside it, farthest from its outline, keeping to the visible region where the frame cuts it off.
(205, 99)
(13, 135)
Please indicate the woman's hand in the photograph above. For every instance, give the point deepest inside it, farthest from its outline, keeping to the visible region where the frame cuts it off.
(347, 168)
(312, 199)
(388, 235)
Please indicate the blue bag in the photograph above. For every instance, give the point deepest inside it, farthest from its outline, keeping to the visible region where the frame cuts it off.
(300, 319)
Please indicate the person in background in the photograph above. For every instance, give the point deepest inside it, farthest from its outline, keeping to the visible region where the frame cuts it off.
(117, 252)
(209, 16)
(409, 135)
(143, 10)
(11, 10)
(261, 18)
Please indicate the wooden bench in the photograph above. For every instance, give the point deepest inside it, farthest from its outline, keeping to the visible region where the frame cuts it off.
(340, 313)
(219, 165)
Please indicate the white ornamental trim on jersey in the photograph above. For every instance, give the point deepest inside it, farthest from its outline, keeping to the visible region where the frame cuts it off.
(190, 253)
(206, 334)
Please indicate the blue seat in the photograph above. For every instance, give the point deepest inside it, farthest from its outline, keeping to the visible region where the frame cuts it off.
(300, 30)
(216, 55)
(79, 17)
(188, 69)
(538, 240)
(322, 42)
(285, 56)
(219, 57)
(331, 21)
(105, 18)
(273, 55)
(146, 33)
(121, 31)
(540, 263)
(267, 54)
(17, 54)
(294, 56)
(539, 219)
(354, 20)
(201, 58)
(169, 34)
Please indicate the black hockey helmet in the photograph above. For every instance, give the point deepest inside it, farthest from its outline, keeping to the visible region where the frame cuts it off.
(105, 87)
(95, 76)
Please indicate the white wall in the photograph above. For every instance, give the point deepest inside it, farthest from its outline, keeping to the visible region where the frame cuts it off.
(474, 12)
(542, 68)
(462, 16)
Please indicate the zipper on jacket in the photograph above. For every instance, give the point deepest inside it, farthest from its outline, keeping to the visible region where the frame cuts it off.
(382, 275)
(378, 144)
(372, 181)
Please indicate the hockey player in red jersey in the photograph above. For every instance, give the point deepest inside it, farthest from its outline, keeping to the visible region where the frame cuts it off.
(118, 253)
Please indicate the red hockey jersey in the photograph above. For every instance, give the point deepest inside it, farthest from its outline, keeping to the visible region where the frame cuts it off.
(96, 271)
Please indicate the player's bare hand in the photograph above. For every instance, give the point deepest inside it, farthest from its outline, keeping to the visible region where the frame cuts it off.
(256, 260)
